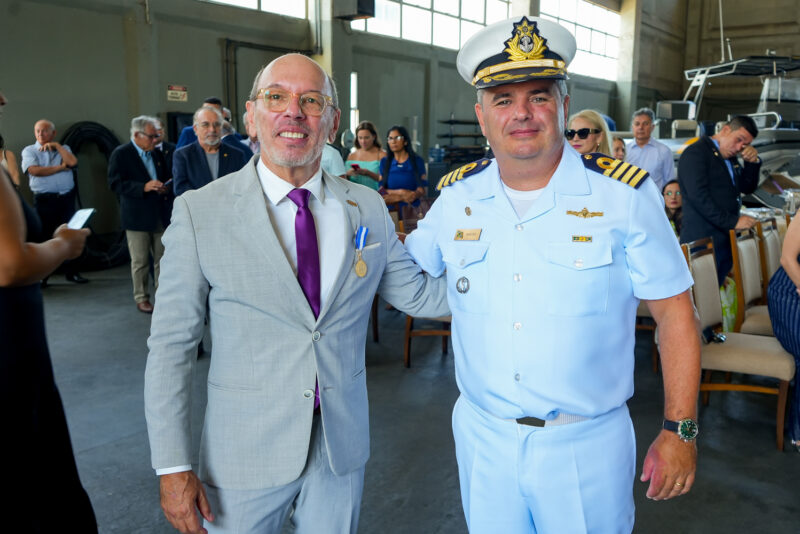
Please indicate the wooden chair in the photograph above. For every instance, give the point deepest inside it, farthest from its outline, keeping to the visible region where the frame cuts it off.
(739, 353)
(769, 250)
(752, 316)
(420, 332)
(410, 216)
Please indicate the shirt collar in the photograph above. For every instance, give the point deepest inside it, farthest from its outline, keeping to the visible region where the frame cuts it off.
(276, 188)
(142, 153)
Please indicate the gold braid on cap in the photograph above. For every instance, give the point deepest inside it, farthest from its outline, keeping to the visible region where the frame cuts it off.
(524, 49)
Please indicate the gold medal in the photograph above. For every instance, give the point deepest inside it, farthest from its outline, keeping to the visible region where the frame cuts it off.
(361, 265)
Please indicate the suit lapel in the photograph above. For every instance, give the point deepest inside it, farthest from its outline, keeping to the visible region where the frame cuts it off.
(252, 210)
(341, 191)
(141, 169)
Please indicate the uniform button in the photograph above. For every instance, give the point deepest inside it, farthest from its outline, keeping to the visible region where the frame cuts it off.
(519, 227)
(316, 335)
(517, 277)
(516, 377)
(517, 326)
(578, 263)
(461, 263)
(308, 393)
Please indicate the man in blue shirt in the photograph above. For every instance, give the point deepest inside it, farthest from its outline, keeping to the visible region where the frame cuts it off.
(48, 165)
(645, 152)
(546, 254)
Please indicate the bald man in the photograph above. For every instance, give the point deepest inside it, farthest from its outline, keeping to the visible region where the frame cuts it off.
(49, 165)
(288, 258)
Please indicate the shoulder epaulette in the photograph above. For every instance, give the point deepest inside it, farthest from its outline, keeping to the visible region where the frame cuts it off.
(617, 169)
(462, 172)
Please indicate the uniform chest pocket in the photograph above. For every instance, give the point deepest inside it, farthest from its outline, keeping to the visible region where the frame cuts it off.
(467, 275)
(578, 278)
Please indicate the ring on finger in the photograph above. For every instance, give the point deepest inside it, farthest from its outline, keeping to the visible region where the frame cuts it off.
(678, 484)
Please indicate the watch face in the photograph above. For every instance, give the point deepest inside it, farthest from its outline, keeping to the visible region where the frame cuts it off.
(687, 429)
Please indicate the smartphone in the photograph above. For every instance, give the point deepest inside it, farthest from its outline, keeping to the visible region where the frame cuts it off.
(355, 166)
(80, 218)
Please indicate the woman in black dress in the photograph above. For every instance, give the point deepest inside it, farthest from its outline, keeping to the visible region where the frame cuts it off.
(39, 470)
(783, 300)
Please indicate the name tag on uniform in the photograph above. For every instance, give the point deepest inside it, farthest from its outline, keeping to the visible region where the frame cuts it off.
(468, 235)
(581, 239)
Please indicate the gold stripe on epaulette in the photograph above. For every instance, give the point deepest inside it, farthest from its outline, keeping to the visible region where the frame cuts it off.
(620, 169)
(634, 182)
(443, 182)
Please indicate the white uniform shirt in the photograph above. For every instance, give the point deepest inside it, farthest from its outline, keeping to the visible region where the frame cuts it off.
(544, 319)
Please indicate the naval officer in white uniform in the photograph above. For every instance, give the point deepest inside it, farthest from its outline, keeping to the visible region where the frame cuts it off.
(547, 254)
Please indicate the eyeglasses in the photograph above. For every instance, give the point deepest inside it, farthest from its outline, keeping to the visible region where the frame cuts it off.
(670, 193)
(206, 125)
(583, 133)
(312, 103)
(395, 138)
(153, 136)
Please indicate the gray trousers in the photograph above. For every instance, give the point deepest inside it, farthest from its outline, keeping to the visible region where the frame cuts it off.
(141, 245)
(320, 502)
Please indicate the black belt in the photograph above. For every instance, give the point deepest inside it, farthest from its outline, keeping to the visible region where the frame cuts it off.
(531, 421)
(51, 195)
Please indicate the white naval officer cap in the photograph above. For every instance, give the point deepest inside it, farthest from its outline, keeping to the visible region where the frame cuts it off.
(516, 50)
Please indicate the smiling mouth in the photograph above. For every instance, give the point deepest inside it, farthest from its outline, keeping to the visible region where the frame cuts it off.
(292, 135)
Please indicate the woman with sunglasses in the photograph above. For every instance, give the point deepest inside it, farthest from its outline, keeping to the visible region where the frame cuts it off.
(673, 205)
(588, 132)
(364, 161)
(402, 171)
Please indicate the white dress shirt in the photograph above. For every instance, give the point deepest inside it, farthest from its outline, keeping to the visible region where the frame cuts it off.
(329, 219)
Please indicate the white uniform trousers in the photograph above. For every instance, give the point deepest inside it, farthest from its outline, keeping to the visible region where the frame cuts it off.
(569, 479)
(320, 502)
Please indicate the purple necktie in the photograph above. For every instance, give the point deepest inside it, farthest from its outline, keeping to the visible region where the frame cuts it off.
(305, 234)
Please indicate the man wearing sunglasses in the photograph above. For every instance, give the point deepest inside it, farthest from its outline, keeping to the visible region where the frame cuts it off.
(546, 254)
(137, 173)
(289, 259)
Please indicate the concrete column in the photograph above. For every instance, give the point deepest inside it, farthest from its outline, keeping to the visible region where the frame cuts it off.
(628, 63)
(524, 7)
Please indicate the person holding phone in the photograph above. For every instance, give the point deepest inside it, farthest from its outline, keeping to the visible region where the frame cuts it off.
(364, 162)
(37, 443)
(137, 173)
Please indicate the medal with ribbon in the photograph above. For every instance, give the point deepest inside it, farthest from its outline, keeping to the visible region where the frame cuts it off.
(361, 240)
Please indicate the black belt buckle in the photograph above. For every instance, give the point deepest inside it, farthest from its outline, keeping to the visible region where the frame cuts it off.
(531, 421)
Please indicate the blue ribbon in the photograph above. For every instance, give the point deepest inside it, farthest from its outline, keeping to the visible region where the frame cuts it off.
(361, 237)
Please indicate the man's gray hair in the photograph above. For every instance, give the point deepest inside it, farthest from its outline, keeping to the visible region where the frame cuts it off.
(331, 84)
(50, 124)
(138, 124)
(210, 108)
(644, 111)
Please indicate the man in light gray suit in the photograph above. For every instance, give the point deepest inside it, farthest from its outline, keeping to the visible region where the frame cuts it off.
(286, 424)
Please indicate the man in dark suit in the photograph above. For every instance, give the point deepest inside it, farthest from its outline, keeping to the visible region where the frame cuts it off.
(166, 148)
(137, 174)
(207, 159)
(712, 182)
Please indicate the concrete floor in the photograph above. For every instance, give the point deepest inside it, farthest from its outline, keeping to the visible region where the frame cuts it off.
(98, 344)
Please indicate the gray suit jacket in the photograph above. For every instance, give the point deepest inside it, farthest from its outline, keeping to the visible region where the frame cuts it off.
(267, 346)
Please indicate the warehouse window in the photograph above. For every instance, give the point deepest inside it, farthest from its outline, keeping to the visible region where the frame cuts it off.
(446, 23)
(596, 29)
(280, 7)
